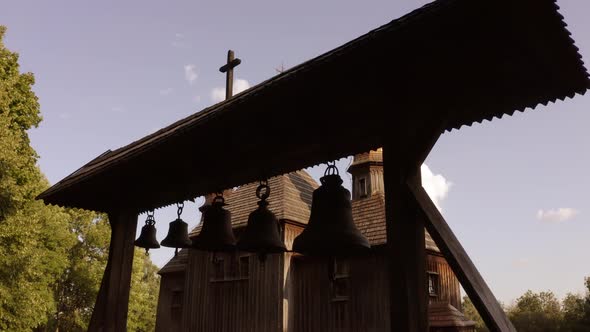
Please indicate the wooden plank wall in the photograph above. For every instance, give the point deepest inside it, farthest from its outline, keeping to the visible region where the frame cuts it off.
(169, 315)
(312, 304)
(252, 304)
(290, 232)
(313, 307)
(449, 289)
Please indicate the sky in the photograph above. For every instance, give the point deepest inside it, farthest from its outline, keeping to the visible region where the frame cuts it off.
(514, 190)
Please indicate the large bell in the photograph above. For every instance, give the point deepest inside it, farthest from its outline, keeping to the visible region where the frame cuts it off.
(177, 233)
(147, 238)
(262, 232)
(216, 233)
(331, 230)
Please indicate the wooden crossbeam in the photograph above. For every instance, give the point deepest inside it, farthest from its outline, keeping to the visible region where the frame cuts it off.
(473, 283)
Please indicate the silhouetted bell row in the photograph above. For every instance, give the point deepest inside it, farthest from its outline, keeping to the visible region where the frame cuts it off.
(330, 231)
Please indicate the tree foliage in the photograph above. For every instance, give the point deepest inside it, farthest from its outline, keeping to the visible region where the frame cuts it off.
(542, 312)
(470, 312)
(143, 298)
(33, 237)
(20, 179)
(77, 287)
(51, 259)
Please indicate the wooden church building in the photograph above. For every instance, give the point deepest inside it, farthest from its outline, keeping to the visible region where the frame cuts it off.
(239, 291)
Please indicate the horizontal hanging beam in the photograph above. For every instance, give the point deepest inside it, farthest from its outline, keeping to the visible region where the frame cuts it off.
(487, 305)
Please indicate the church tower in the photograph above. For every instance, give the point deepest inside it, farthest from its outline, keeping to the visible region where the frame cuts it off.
(367, 174)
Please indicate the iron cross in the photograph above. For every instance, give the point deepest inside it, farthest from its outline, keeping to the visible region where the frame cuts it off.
(228, 68)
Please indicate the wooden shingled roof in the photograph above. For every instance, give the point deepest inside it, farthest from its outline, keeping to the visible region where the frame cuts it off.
(448, 64)
(369, 217)
(177, 263)
(443, 314)
(290, 199)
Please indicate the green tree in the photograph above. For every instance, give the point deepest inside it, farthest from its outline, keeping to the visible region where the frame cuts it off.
(51, 259)
(78, 285)
(537, 312)
(20, 179)
(33, 237)
(143, 298)
(470, 312)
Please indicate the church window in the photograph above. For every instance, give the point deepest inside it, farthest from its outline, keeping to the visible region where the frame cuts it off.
(244, 266)
(177, 298)
(363, 187)
(433, 284)
(218, 268)
(340, 283)
(230, 267)
(176, 304)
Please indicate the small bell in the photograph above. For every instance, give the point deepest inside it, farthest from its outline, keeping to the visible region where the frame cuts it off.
(177, 233)
(331, 230)
(216, 233)
(147, 238)
(262, 232)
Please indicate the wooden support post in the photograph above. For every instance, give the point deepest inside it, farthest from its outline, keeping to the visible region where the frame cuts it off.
(405, 246)
(112, 302)
(473, 283)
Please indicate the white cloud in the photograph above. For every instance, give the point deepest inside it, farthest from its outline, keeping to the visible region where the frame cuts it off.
(436, 185)
(165, 92)
(190, 73)
(557, 215)
(218, 94)
(197, 99)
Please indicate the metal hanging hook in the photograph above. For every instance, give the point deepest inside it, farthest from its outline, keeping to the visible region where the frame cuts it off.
(180, 206)
(150, 220)
(219, 198)
(263, 190)
(331, 169)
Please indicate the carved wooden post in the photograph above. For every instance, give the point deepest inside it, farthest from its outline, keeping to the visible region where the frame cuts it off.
(112, 302)
(405, 246)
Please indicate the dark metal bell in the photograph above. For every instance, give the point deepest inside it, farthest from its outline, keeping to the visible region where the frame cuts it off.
(177, 235)
(147, 238)
(331, 230)
(216, 233)
(262, 232)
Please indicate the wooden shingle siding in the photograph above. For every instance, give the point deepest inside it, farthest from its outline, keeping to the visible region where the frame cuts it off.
(449, 289)
(290, 199)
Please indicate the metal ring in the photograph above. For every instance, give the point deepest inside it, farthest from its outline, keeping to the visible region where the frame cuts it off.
(259, 192)
(180, 208)
(219, 199)
(331, 169)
